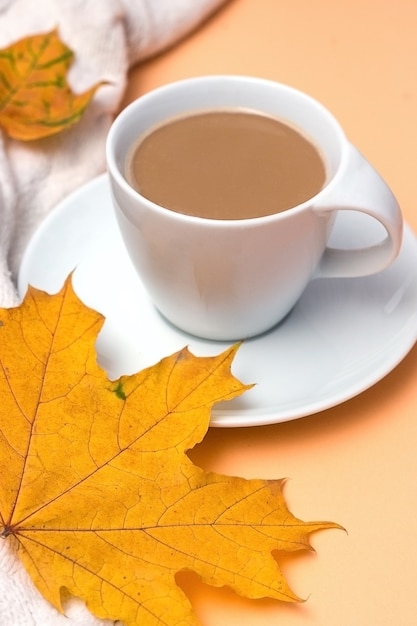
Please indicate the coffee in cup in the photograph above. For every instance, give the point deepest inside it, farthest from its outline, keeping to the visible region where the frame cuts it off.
(226, 164)
(235, 271)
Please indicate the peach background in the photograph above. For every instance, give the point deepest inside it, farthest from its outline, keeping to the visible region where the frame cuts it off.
(356, 463)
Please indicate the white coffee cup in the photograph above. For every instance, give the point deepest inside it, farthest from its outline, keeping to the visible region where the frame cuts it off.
(234, 279)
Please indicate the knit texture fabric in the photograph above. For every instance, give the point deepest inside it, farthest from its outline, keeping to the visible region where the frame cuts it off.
(107, 37)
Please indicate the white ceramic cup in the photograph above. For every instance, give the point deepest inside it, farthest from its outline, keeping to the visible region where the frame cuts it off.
(233, 279)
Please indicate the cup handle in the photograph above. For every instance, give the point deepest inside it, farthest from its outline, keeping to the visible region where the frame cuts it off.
(361, 189)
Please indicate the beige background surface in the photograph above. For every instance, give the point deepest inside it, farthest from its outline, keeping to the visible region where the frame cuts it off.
(356, 463)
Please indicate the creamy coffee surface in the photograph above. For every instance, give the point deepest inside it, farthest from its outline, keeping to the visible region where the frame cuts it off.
(227, 164)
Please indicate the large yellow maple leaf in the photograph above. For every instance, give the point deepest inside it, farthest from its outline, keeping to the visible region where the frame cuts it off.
(97, 492)
(35, 98)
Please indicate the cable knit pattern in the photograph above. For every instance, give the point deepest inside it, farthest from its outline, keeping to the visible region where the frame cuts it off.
(107, 36)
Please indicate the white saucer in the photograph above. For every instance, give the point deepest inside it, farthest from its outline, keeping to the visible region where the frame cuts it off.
(342, 337)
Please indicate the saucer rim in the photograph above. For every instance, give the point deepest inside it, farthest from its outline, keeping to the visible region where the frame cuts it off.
(234, 417)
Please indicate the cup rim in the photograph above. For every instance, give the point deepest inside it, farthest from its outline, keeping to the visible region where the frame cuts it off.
(165, 89)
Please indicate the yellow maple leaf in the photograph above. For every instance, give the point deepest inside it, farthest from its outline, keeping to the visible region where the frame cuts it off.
(35, 98)
(97, 492)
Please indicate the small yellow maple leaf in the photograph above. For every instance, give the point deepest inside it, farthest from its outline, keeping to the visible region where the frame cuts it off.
(97, 492)
(35, 98)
